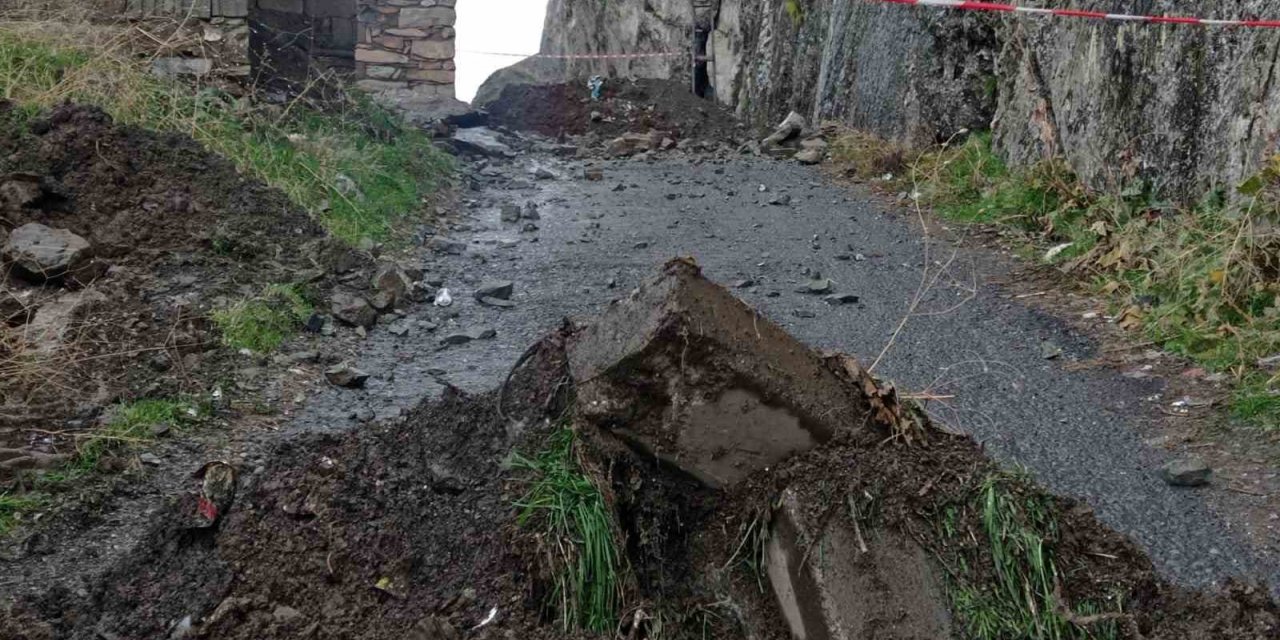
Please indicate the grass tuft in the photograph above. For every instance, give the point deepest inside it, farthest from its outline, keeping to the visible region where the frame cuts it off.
(1202, 281)
(570, 510)
(14, 507)
(132, 425)
(356, 167)
(260, 324)
(1021, 601)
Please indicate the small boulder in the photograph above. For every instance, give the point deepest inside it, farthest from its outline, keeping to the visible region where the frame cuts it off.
(353, 310)
(530, 212)
(811, 155)
(1186, 472)
(43, 253)
(510, 213)
(480, 141)
(346, 375)
(499, 289)
(786, 130)
(447, 246)
(393, 283)
(593, 174)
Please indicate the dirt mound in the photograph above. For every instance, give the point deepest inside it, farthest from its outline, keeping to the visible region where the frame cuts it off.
(626, 106)
(395, 531)
(172, 230)
(882, 527)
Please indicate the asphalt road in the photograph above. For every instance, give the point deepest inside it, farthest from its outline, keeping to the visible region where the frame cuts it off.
(968, 339)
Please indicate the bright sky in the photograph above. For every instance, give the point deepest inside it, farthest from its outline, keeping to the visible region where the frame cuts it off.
(494, 26)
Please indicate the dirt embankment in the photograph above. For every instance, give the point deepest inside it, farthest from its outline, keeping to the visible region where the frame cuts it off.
(118, 243)
(414, 530)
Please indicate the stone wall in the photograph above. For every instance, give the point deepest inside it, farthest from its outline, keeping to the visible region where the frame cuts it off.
(222, 31)
(405, 49)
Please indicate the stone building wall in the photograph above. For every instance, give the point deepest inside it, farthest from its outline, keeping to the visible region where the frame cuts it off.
(406, 47)
(221, 27)
(400, 50)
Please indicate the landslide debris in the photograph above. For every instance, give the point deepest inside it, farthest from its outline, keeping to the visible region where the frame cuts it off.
(755, 489)
(626, 106)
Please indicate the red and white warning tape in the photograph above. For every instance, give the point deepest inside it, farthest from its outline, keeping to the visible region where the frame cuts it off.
(1095, 15)
(580, 56)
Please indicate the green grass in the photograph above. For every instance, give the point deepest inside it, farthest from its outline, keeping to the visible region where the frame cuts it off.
(14, 507)
(132, 425)
(565, 505)
(1198, 280)
(305, 153)
(1020, 603)
(260, 324)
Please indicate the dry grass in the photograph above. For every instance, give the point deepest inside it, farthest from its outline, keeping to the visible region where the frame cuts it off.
(1203, 281)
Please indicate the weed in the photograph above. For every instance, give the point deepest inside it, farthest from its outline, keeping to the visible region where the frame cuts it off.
(570, 510)
(260, 324)
(12, 508)
(1257, 400)
(1200, 281)
(357, 168)
(132, 424)
(1021, 601)
(865, 156)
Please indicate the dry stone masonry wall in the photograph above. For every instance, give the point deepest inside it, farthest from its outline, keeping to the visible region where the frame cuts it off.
(406, 48)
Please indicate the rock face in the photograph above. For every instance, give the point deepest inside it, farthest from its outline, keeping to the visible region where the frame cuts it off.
(1188, 108)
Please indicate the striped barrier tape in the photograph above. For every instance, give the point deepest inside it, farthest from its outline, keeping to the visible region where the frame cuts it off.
(1094, 15)
(580, 56)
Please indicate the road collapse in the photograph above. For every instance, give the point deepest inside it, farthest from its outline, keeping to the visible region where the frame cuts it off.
(679, 467)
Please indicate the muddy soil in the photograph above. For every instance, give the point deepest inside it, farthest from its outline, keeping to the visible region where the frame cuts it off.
(176, 232)
(626, 106)
(394, 531)
(411, 530)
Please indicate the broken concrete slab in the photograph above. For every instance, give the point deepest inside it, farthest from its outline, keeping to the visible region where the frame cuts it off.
(684, 371)
(863, 584)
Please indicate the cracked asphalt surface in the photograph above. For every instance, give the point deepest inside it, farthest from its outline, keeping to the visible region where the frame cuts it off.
(968, 338)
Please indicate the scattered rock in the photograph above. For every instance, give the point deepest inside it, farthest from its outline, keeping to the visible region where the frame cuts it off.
(531, 212)
(353, 310)
(434, 629)
(810, 156)
(1270, 363)
(841, 298)
(482, 141)
(499, 289)
(1186, 472)
(285, 614)
(443, 299)
(786, 130)
(497, 302)
(780, 200)
(173, 67)
(447, 246)
(1050, 351)
(510, 213)
(346, 375)
(529, 227)
(21, 190)
(744, 283)
(393, 282)
(593, 174)
(149, 459)
(817, 286)
(463, 337)
(42, 253)
(542, 173)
